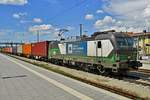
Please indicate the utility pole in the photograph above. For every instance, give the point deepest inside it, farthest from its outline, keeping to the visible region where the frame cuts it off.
(81, 29)
(38, 36)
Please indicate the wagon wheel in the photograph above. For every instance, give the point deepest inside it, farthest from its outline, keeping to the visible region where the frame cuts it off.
(101, 69)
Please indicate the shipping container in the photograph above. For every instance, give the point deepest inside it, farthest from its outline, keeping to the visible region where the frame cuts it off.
(14, 50)
(77, 48)
(0, 49)
(26, 49)
(40, 49)
(19, 49)
(8, 50)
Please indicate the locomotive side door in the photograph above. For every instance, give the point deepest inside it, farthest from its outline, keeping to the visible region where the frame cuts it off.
(104, 48)
(99, 49)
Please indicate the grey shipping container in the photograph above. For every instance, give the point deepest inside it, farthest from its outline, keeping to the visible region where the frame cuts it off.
(14, 50)
(19, 49)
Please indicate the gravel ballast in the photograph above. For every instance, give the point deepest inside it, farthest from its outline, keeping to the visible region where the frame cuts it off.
(135, 89)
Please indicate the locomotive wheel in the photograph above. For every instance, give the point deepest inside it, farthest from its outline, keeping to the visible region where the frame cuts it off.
(101, 69)
(87, 68)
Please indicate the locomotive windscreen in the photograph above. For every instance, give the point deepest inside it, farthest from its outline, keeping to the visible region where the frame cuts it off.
(125, 42)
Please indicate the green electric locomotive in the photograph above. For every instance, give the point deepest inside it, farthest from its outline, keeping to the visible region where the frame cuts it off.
(105, 52)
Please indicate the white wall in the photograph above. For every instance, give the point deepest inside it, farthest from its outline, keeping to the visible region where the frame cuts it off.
(106, 49)
(62, 48)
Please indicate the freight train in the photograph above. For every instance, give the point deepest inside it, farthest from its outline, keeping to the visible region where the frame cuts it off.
(105, 52)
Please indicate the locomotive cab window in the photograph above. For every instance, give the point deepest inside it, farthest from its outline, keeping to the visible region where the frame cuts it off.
(125, 42)
(70, 48)
(99, 45)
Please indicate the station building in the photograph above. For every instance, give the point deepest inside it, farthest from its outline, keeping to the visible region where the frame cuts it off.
(142, 42)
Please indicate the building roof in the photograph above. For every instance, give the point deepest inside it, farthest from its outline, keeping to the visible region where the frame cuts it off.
(140, 34)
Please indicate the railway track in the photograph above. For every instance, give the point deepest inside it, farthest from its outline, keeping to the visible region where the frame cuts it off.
(139, 77)
(131, 79)
(145, 71)
(138, 81)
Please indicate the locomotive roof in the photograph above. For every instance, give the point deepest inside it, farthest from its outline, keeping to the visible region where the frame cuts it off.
(102, 35)
(111, 35)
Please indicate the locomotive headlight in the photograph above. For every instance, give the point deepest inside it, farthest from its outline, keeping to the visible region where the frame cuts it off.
(118, 58)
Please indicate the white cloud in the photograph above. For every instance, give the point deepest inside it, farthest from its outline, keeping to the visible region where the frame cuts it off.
(22, 14)
(122, 29)
(19, 15)
(70, 28)
(34, 20)
(108, 20)
(127, 8)
(45, 29)
(25, 21)
(89, 17)
(109, 23)
(147, 11)
(13, 2)
(37, 20)
(40, 27)
(99, 11)
(129, 15)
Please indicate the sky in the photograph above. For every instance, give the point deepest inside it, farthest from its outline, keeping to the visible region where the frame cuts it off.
(20, 20)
